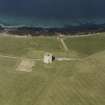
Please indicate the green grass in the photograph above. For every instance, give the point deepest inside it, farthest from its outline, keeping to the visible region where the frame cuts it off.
(60, 83)
(7, 65)
(21, 46)
(86, 45)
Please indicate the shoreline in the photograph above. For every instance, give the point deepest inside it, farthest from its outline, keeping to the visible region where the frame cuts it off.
(84, 29)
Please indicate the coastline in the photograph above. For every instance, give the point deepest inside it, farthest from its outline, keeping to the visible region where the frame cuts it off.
(68, 30)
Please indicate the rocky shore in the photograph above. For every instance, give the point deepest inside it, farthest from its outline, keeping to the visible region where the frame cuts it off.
(66, 30)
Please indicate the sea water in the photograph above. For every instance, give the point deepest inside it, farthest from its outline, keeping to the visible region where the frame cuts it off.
(51, 13)
(18, 21)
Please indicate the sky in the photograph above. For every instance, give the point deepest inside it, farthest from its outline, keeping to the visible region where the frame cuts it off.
(54, 8)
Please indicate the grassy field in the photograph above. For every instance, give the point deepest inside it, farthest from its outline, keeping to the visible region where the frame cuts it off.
(86, 45)
(77, 82)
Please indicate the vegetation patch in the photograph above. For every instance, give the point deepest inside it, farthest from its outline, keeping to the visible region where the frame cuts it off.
(26, 65)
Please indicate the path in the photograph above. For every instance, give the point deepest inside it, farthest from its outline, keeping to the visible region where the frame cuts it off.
(36, 59)
(6, 56)
(67, 59)
(77, 36)
(64, 44)
(14, 57)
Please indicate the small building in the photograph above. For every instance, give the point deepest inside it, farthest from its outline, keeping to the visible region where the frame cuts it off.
(48, 58)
